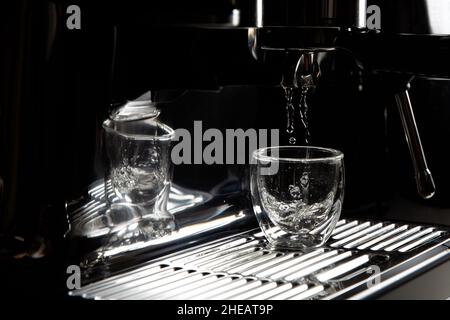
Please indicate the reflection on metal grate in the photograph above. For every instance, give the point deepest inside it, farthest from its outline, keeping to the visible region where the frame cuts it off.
(87, 217)
(244, 267)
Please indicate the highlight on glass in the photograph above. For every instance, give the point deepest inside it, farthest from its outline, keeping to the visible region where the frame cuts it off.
(297, 194)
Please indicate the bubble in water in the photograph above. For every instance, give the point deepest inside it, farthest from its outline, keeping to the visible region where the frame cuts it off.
(153, 156)
(295, 192)
(295, 215)
(304, 180)
(292, 140)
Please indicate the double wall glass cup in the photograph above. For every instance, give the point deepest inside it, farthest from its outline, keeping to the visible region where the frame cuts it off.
(139, 172)
(297, 194)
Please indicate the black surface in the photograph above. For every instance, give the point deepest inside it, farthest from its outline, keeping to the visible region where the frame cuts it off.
(54, 97)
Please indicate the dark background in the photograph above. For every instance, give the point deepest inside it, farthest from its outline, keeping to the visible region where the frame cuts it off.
(57, 86)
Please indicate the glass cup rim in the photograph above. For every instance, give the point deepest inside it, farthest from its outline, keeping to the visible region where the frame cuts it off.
(335, 155)
(169, 135)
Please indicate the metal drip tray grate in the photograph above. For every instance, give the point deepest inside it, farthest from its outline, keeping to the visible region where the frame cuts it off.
(361, 258)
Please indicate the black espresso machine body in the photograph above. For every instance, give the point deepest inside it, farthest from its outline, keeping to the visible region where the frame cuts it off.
(206, 61)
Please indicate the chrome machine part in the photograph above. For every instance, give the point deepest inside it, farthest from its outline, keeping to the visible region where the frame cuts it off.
(362, 259)
(413, 17)
(85, 216)
(103, 243)
(302, 25)
(311, 13)
(424, 180)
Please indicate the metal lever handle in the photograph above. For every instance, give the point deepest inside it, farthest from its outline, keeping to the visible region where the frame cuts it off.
(424, 180)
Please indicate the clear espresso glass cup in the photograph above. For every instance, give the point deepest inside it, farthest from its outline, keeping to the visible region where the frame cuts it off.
(297, 194)
(138, 170)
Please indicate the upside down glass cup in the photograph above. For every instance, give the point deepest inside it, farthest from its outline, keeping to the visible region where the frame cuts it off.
(297, 194)
(139, 170)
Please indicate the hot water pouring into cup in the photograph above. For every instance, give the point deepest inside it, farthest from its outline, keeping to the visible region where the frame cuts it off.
(297, 191)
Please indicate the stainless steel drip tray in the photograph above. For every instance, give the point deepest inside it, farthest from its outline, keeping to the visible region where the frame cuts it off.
(361, 260)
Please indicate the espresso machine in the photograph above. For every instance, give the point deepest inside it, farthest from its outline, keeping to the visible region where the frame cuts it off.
(376, 72)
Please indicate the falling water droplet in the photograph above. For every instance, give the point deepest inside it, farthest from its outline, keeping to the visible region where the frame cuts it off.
(292, 140)
(304, 113)
(289, 95)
